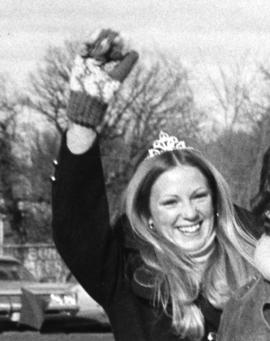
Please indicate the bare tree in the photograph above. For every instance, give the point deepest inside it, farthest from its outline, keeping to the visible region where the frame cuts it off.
(241, 115)
(35, 203)
(155, 96)
(236, 90)
(25, 166)
(10, 107)
(48, 88)
(162, 82)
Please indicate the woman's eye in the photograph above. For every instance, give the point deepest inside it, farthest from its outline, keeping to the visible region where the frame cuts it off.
(169, 202)
(201, 195)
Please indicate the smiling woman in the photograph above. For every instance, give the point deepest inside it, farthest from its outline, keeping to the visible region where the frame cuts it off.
(181, 207)
(180, 250)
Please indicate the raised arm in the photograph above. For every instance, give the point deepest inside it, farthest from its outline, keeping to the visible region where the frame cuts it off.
(80, 210)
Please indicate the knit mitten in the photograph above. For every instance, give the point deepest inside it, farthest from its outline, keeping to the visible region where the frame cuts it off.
(95, 77)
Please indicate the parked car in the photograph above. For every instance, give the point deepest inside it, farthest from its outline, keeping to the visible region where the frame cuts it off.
(89, 308)
(23, 299)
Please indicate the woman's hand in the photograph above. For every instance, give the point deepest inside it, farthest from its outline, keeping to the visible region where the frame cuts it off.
(97, 74)
(98, 71)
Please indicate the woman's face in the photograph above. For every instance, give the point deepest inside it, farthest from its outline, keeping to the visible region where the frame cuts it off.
(181, 207)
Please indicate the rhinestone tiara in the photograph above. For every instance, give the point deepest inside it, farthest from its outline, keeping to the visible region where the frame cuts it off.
(165, 143)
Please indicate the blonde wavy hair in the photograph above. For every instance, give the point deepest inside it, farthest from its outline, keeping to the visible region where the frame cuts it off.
(177, 279)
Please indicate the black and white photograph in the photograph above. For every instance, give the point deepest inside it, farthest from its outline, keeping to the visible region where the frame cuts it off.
(134, 170)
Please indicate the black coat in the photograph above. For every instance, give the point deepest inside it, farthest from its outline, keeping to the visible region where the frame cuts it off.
(102, 258)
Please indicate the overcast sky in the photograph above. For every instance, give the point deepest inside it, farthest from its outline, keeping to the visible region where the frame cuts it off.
(199, 31)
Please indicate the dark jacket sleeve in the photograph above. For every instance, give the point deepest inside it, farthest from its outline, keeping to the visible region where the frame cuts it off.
(250, 222)
(81, 228)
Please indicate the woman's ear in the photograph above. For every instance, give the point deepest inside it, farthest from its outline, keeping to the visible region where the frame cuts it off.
(150, 223)
(262, 256)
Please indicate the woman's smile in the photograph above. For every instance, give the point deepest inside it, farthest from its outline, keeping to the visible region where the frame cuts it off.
(189, 229)
(181, 207)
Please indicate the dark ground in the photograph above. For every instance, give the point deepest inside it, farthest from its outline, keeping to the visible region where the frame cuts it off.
(35, 336)
(58, 330)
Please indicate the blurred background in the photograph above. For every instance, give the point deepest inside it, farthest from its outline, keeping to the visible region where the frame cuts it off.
(203, 75)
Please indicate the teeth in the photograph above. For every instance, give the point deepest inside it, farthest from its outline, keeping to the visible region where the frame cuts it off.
(189, 229)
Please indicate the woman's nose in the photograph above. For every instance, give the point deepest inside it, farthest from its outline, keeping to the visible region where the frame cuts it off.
(189, 211)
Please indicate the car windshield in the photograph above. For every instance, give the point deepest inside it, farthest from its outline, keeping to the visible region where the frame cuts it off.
(12, 271)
